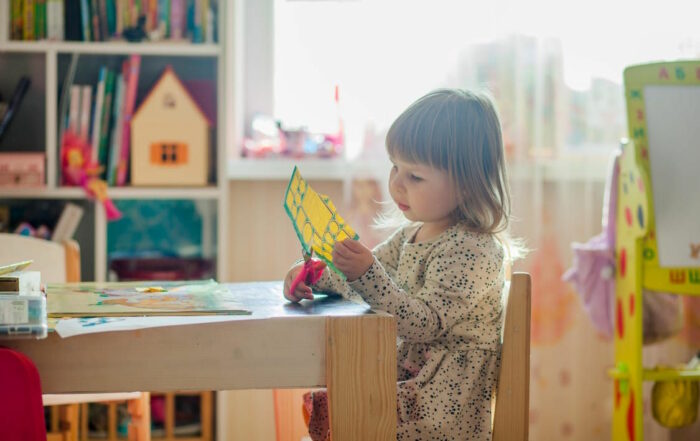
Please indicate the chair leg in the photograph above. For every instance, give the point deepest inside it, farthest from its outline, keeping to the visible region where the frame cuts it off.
(140, 412)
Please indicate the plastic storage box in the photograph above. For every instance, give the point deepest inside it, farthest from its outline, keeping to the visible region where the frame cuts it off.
(22, 316)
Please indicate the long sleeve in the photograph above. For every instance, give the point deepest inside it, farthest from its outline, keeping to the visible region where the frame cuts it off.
(456, 278)
(387, 253)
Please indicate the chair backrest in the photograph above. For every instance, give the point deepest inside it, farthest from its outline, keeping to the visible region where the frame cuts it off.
(58, 262)
(511, 414)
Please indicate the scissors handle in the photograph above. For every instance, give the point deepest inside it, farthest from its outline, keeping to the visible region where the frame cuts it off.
(309, 274)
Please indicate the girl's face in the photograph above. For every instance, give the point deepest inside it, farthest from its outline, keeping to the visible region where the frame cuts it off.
(424, 194)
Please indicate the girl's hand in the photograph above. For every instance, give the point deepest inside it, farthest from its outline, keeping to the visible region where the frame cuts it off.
(352, 258)
(302, 291)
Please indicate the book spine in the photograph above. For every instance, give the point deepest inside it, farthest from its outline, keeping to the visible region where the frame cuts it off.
(60, 22)
(117, 128)
(131, 68)
(40, 19)
(177, 19)
(85, 108)
(164, 17)
(111, 12)
(95, 20)
(86, 20)
(104, 32)
(74, 109)
(119, 19)
(28, 28)
(5, 21)
(50, 19)
(106, 120)
(97, 115)
(17, 31)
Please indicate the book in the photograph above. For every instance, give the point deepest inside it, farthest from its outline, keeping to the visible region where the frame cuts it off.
(67, 223)
(74, 109)
(86, 20)
(28, 12)
(5, 21)
(17, 17)
(111, 13)
(97, 115)
(104, 31)
(117, 127)
(95, 20)
(105, 125)
(72, 21)
(85, 108)
(54, 20)
(177, 19)
(21, 282)
(131, 77)
(164, 17)
(40, 19)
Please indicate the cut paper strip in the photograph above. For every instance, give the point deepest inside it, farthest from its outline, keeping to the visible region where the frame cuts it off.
(315, 219)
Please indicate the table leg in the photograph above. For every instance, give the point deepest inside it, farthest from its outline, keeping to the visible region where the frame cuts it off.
(140, 411)
(361, 377)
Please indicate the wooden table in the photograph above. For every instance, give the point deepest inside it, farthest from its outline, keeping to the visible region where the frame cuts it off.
(329, 342)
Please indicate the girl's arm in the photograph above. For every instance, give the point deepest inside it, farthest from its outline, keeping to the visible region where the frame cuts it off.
(456, 281)
(387, 253)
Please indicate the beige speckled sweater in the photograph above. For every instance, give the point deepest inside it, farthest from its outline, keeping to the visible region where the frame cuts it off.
(446, 294)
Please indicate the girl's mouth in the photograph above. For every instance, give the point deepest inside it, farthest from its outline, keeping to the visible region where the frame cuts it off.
(403, 207)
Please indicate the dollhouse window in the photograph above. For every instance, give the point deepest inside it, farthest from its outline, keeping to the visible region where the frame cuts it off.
(168, 153)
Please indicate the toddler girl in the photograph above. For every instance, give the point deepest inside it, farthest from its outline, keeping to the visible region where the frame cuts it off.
(441, 274)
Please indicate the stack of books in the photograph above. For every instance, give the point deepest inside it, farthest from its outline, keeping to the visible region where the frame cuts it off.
(103, 20)
(22, 303)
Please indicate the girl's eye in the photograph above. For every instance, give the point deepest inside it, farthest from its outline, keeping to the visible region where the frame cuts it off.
(415, 178)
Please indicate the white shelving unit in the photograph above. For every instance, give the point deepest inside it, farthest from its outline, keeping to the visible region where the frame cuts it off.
(216, 192)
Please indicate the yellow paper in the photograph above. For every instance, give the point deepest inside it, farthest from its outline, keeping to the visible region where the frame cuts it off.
(316, 220)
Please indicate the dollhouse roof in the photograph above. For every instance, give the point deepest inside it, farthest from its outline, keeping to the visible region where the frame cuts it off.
(169, 72)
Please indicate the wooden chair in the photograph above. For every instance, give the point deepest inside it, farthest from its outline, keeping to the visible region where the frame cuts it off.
(60, 263)
(511, 415)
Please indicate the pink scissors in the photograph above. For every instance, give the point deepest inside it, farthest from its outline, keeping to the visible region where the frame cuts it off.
(310, 273)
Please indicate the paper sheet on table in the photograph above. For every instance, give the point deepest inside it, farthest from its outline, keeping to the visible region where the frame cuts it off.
(93, 325)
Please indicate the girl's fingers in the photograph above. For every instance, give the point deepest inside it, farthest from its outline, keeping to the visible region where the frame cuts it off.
(353, 246)
(303, 291)
(341, 249)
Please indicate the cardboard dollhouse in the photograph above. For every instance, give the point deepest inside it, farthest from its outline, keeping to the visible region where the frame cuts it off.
(169, 137)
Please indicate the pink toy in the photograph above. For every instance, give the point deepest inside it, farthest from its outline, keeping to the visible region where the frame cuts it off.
(79, 170)
(593, 275)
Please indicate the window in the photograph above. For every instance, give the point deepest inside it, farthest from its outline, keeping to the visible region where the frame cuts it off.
(555, 68)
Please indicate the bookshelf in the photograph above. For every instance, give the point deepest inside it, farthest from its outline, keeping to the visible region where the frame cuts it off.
(36, 129)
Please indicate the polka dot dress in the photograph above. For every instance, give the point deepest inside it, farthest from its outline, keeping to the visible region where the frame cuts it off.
(446, 294)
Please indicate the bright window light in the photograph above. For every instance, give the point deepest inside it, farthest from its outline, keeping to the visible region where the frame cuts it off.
(562, 59)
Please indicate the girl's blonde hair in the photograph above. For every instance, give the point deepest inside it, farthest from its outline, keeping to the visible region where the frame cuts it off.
(459, 131)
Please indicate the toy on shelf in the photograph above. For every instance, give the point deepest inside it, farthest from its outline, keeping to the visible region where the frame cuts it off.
(657, 232)
(79, 170)
(271, 138)
(169, 137)
(22, 169)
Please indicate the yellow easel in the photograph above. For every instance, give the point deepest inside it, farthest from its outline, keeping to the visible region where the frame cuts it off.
(637, 249)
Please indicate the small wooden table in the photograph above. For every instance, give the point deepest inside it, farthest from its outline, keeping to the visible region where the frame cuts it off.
(329, 342)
